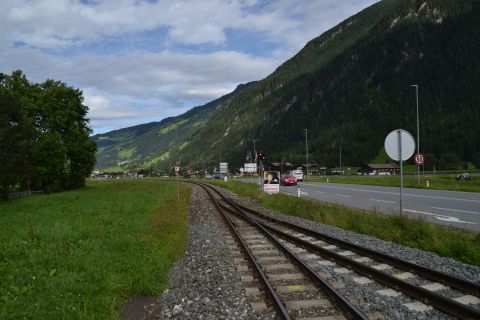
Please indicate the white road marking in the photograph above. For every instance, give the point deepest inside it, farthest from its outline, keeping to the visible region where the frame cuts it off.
(441, 217)
(383, 201)
(392, 193)
(342, 195)
(319, 191)
(455, 210)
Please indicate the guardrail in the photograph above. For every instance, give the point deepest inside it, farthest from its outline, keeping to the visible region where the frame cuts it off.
(20, 194)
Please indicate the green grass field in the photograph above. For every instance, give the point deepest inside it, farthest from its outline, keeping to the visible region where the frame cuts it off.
(435, 182)
(80, 254)
(415, 233)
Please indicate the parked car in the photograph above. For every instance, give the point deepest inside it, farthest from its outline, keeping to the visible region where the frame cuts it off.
(288, 180)
(297, 174)
(219, 176)
(463, 177)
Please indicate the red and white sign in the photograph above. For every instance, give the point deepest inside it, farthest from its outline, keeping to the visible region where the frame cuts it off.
(419, 159)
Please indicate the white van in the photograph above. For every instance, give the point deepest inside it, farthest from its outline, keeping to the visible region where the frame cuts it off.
(297, 174)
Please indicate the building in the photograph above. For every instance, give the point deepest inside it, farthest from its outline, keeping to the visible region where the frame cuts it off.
(380, 169)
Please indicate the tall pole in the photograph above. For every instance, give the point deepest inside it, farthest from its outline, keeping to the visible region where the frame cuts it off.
(340, 161)
(254, 150)
(306, 148)
(418, 133)
(177, 173)
(401, 168)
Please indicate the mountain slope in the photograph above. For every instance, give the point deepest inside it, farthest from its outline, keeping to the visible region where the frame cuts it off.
(350, 87)
(149, 144)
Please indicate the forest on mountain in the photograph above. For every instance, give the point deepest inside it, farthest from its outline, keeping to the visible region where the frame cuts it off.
(44, 136)
(350, 87)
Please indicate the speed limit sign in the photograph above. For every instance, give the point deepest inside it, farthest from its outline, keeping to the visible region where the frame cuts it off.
(419, 159)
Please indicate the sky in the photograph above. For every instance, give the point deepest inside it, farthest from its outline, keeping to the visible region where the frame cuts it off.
(139, 61)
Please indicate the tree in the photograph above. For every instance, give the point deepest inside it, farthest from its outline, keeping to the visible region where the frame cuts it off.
(12, 142)
(476, 160)
(449, 161)
(44, 135)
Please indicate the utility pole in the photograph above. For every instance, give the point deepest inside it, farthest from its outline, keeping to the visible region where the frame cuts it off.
(177, 173)
(254, 149)
(340, 161)
(418, 132)
(254, 140)
(306, 148)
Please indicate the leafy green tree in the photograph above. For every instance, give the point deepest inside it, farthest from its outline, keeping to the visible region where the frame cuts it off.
(449, 161)
(45, 127)
(12, 142)
(476, 160)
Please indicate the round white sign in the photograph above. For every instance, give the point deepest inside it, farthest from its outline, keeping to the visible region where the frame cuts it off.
(395, 139)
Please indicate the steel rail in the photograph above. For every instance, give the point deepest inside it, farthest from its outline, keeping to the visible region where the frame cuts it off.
(347, 307)
(278, 305)
(438, 301)
(447, 279)
(344, 304)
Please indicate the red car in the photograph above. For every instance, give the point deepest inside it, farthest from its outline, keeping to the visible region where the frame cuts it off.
(288, 180)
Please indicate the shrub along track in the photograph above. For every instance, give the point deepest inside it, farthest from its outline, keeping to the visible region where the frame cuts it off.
(300, 245)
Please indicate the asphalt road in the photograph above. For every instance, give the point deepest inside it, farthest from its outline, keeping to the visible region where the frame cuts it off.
(457, 209)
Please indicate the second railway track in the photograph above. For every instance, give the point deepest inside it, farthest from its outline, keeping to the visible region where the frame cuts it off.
(309, 257)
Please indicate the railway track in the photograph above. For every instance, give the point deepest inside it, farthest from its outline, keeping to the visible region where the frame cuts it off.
(284, 258)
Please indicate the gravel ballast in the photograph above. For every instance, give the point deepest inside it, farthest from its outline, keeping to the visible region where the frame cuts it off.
(205, 284)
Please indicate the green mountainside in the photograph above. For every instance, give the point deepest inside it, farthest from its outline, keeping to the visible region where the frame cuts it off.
(350, 87)
(151, 144)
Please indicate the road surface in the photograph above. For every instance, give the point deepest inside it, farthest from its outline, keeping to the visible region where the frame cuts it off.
(457, 209)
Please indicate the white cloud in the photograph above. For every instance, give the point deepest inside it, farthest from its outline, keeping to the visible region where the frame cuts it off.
(132, 85)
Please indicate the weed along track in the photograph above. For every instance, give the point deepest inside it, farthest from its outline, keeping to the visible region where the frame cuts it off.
(292, 272)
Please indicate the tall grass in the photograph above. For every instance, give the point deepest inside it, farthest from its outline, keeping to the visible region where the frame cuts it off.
(80, 254)
(453, 243)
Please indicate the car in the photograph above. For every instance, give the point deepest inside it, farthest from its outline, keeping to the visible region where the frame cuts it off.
(288, 180)
(463, 177)
(219, 176)
(297, 174)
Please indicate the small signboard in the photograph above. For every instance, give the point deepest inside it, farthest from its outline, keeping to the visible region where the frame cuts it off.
(399, 141)
(271, 182)
(223, 167)
(250, 168)
(400, 146)
(177, 169)
(419, 159)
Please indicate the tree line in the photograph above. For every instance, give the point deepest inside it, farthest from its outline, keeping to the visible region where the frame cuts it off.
(44, 136)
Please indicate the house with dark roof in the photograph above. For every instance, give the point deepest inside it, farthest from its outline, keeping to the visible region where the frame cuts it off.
(373, 168)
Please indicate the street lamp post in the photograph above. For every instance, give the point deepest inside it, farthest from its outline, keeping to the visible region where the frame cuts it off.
(306, 148)
(418, 132)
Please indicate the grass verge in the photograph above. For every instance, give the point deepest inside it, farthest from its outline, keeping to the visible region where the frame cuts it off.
(435, 183)
(453, 243)
(79, 254)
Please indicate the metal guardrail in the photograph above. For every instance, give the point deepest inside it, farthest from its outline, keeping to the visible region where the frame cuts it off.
(21, 194)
